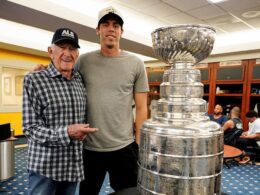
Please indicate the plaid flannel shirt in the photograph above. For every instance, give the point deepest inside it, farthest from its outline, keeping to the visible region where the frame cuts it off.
(50, 104)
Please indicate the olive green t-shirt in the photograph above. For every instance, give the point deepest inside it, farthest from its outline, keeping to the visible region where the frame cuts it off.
(110, 84)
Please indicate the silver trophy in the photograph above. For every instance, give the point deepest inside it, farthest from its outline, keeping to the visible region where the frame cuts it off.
(181, 150)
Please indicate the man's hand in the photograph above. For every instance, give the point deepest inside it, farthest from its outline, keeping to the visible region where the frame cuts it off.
(39, 67)
(244, 135)
(80, 131)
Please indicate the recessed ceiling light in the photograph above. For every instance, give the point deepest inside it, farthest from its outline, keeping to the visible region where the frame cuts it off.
(216, 1)
(251, 14)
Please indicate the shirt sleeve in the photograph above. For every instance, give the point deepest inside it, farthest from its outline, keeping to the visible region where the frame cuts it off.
(224, 119)
(257, 126)
(141, 81)
(34, 126)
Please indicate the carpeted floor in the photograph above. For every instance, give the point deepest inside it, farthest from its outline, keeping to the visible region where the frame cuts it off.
(241, 180)
(19, 183)
(238, 180)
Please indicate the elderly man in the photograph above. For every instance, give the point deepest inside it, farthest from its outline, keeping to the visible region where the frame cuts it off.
(54, 120)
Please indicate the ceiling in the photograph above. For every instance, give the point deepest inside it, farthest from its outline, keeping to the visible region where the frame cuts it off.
(228, 16)
(237, 22)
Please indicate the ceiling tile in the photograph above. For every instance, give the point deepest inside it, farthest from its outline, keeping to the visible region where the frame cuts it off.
(185, 5)
(160, 10)
(254, 22)
(239, 26)
(248, 13)
(235, 5)
(207, 12)
(222, 20)
(181, 18)
(137, 4)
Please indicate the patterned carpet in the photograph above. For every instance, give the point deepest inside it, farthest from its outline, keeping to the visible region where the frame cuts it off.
(238, 180)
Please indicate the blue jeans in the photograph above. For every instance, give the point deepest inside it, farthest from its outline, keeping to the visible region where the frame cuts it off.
(41, 185)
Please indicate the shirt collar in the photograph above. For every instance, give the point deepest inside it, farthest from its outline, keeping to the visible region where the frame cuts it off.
(53, 72)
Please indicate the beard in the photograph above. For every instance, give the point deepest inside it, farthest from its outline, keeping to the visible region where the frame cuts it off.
(109, 43)
(110, 46)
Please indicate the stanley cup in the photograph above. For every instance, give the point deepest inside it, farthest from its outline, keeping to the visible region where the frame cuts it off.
(181, 150)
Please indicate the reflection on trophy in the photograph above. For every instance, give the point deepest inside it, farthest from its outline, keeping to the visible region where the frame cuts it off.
(181, 150)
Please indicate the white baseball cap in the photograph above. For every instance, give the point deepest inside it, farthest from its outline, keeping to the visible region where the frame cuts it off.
(110, 11)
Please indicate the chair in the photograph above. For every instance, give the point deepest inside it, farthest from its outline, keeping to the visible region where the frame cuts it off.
(253, 152)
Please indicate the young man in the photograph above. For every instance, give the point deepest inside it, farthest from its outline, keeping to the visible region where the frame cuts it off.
(112, 78)
(217, 115)
(54, 107)
(250, 137)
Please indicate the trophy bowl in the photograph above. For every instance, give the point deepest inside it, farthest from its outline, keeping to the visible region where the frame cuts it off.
(183, 43)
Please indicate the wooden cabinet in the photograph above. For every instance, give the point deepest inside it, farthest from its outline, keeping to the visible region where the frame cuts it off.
(206, 74)
(253, 86)
(226, 84)
(228, 87)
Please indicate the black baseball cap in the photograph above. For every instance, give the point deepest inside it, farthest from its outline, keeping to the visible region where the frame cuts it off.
(65, 34)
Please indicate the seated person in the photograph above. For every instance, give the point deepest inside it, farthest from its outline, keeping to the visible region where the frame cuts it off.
(233, 128)
(250, 137)
(217, 115)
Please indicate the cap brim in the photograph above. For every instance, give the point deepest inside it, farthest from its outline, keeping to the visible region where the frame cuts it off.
(67, 40)
(106, 17)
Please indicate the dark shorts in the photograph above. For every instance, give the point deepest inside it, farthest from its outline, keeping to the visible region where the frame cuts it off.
(121, 166)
